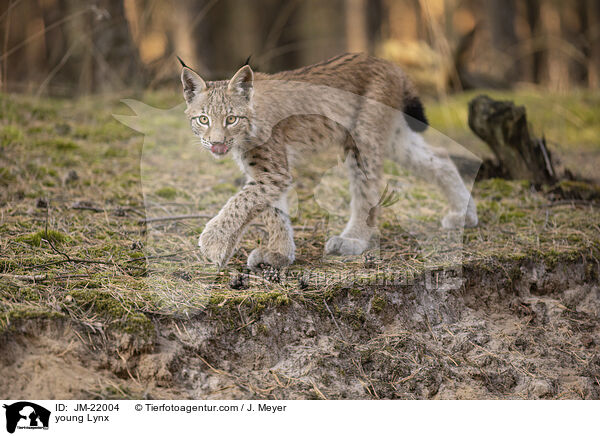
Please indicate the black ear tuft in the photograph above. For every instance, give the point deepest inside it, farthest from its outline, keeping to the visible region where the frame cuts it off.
(247, 61)
(182, 63)
(414, 113)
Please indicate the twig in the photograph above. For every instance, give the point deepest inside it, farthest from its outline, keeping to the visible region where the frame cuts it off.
(43, 277)
(86, 205)
(76, 260)
(317, 390)
(173, 218)
(334, 321)
(405, 379)
(83, 205)
(33, 278)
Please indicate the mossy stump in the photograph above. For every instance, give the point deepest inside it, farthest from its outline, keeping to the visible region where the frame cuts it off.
(503, 126)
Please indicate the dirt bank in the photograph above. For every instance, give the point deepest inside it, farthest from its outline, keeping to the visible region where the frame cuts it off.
(515, 330)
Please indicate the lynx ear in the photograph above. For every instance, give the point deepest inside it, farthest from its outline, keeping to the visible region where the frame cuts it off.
(192, 84)
(241, 82)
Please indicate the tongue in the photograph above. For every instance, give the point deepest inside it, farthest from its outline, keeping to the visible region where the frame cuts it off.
(219, 148)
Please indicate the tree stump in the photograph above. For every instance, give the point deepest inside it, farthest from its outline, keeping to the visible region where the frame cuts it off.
(503, 126)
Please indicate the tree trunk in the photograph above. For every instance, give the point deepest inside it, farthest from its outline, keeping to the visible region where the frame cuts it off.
(91, 47)
(357, 39)
(538, 52)
(594, 44)
(503, 126)
(501, 18)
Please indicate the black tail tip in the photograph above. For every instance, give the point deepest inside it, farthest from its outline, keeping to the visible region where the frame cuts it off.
(414, 113)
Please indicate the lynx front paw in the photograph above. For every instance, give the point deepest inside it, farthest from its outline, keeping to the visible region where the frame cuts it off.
(261, 258)
(215, 245)
(342, 246)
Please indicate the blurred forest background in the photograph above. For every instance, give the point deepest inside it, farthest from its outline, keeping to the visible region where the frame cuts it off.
(74, 47)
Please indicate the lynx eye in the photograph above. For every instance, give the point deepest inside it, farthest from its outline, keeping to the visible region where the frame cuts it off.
(202, 120)
(231, 120)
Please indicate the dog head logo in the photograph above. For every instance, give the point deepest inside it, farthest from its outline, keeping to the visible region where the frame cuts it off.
(26, 415)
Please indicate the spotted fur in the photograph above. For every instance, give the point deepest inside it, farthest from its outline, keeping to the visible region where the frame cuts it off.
(350, 100)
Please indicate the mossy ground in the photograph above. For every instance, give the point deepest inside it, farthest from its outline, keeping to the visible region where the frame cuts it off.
(106, 269)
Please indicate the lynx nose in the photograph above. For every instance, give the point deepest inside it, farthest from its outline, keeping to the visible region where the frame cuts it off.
(218, 147)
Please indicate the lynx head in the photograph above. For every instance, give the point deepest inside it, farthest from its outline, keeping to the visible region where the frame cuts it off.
(220, 112)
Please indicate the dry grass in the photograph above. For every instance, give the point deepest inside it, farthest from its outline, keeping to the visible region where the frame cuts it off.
(73, 244)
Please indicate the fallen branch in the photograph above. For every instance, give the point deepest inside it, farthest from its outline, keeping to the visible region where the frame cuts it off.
(76, 260)
(24, 278)
(334, 321)
(86, 205)
(174, 218)
(36, 278)
(119, 210)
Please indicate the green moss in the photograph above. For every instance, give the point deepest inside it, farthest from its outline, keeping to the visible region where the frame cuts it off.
(167, 192)
(576, 190)
(111, 249)
(28, 294)
(488, 206)
(123, 317)
(7, 265)
(83, 284)
(8, 109)
(10, 135)
(378, 303)
(115, 152)
(35, 239)
(511, 216)
(553, 257)
(356, 317)
(15, 314)
(6, 177)
(215, 300)
(500, 188)
(44, 111)
(58, 144)
(256, 302)
(39, 171)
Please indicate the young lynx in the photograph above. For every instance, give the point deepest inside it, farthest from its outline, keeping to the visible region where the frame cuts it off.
(266, 121)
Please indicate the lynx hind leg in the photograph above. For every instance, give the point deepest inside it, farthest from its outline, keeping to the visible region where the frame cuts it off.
(280, 249)
(411, 151)
(361, 230)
